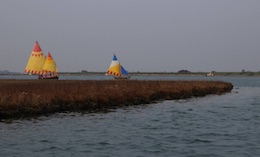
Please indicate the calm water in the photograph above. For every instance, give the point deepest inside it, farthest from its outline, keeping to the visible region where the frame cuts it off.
(212, 126)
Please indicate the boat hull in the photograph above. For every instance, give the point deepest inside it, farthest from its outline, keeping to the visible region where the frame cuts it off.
(210, 74)
(48, 77)
(122, 78)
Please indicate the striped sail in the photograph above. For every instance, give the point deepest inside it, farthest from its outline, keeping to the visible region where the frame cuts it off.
(36, 60)
(44, 67)
(49, 65)
(116, 69)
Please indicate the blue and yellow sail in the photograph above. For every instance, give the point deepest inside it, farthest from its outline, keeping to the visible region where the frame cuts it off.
(117, 70)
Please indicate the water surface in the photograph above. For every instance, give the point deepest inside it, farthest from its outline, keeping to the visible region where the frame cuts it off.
(215, 126)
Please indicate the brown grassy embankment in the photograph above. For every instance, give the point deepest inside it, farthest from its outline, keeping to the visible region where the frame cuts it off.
(22, 98)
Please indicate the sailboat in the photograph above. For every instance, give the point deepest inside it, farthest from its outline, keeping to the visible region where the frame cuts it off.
(210, 74)
(39, 64)
(117, 70)
(49, 70)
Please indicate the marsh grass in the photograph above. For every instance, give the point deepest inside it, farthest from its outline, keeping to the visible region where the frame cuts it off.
(22, 98)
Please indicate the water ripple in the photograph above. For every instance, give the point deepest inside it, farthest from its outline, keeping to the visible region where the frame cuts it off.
(216, 126)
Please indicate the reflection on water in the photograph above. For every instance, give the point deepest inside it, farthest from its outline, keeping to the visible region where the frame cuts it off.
(225, 125)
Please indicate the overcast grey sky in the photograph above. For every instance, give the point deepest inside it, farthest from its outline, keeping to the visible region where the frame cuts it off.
(146, 35)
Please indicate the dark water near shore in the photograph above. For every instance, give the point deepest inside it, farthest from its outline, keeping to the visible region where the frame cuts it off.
(213, 126)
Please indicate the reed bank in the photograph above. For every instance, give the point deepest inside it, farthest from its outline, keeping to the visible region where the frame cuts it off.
(29, 98)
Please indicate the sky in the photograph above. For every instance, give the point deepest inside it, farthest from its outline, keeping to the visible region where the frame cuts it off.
(146, 35)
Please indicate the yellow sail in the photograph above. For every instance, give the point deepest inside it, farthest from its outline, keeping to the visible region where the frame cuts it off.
(114, 70)
(36, 60)
(49, 65)
(117, 70)
(115, 67)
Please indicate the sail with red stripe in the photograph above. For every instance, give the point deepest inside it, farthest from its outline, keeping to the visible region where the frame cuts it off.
(43, 66)
(117, 70)
(36, 60)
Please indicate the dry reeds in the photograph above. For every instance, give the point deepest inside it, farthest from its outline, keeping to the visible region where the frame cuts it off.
(19, 98)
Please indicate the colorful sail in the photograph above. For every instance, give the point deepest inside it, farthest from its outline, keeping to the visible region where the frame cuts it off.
(116, 69)
(36, 60)
(49, 65)
(45, 67)
(124, 72)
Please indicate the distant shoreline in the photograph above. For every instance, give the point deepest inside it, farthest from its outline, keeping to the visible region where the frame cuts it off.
(172, 73)
(159, 73)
